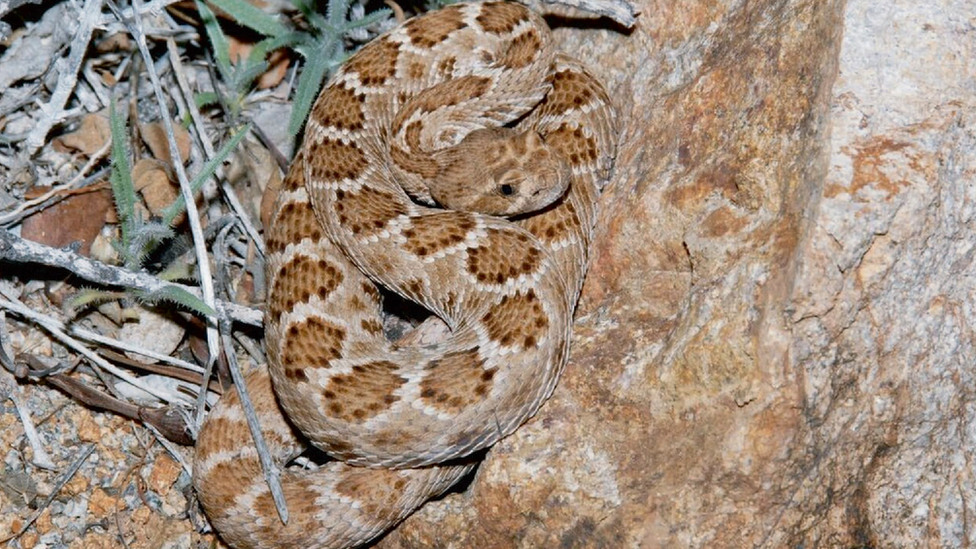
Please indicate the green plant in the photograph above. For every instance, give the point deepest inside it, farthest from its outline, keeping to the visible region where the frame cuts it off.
(323, 47)
(139, 237)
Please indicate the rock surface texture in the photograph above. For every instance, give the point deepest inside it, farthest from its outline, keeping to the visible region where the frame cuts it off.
(775, 346)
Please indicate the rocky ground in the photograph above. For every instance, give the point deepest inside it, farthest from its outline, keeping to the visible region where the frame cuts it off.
(775, 345)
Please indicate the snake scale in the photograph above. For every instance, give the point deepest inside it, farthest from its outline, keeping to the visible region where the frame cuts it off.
(457, 161)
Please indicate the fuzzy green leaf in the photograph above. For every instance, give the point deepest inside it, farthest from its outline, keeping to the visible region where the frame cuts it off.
(206, 99)
(284, 41)
(247, 71)
(323, 25)
(336, 12)
(146, 238)
(175, 294)
(252, 17)
(316, 67)
(221, 47)
(373, 17)
(123, 191)
(89, 296)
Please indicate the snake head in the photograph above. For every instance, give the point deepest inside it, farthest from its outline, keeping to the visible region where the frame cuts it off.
(500, 171)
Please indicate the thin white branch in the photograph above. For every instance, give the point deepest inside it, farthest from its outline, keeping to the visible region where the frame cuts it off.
(96, 85)
(272, 475)
(154, 8)
(62, 480)
(208, 148)
(22, 209)
(177, 455)
(51, 325)
(10, 389)
(53, 111)
(192, 215)
(97, 338)
(18, 250)
(41, 458)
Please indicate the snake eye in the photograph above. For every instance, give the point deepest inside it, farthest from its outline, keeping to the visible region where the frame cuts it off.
(506, 189)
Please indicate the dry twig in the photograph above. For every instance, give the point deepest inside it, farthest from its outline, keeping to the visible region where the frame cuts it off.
(10, 389)
(53, 111)
(28, 207)
(51, 325)
(271, 472)
(164, 441)
(167, 419)
(208, 148)
(193, 217)
(18, 250)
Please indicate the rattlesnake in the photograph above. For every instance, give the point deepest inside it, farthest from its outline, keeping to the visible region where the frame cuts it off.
(412, 120)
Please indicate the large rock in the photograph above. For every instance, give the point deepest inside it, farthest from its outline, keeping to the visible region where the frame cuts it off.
(775, 346)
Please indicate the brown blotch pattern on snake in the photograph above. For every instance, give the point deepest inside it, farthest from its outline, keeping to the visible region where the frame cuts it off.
(333, 160)
(377, 489)
(429, 234)
(408, 161)
(303, 502)
(341, 108)
(435, 28)
(366, 211)
(311, 343)
(362, 393)
(294, 222)
(503, 255)
(446, 67)
(517, 320)
(376, 62)
(223, 495)
(299, 279)
(464, 88)
(456, 381)
(221, 444)
(572, 144)
(371, 293)
(371, 326)
(558, 223)
(414, 288)
(522, 50)
(501, 17)
(295, 178)
(570, 90)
